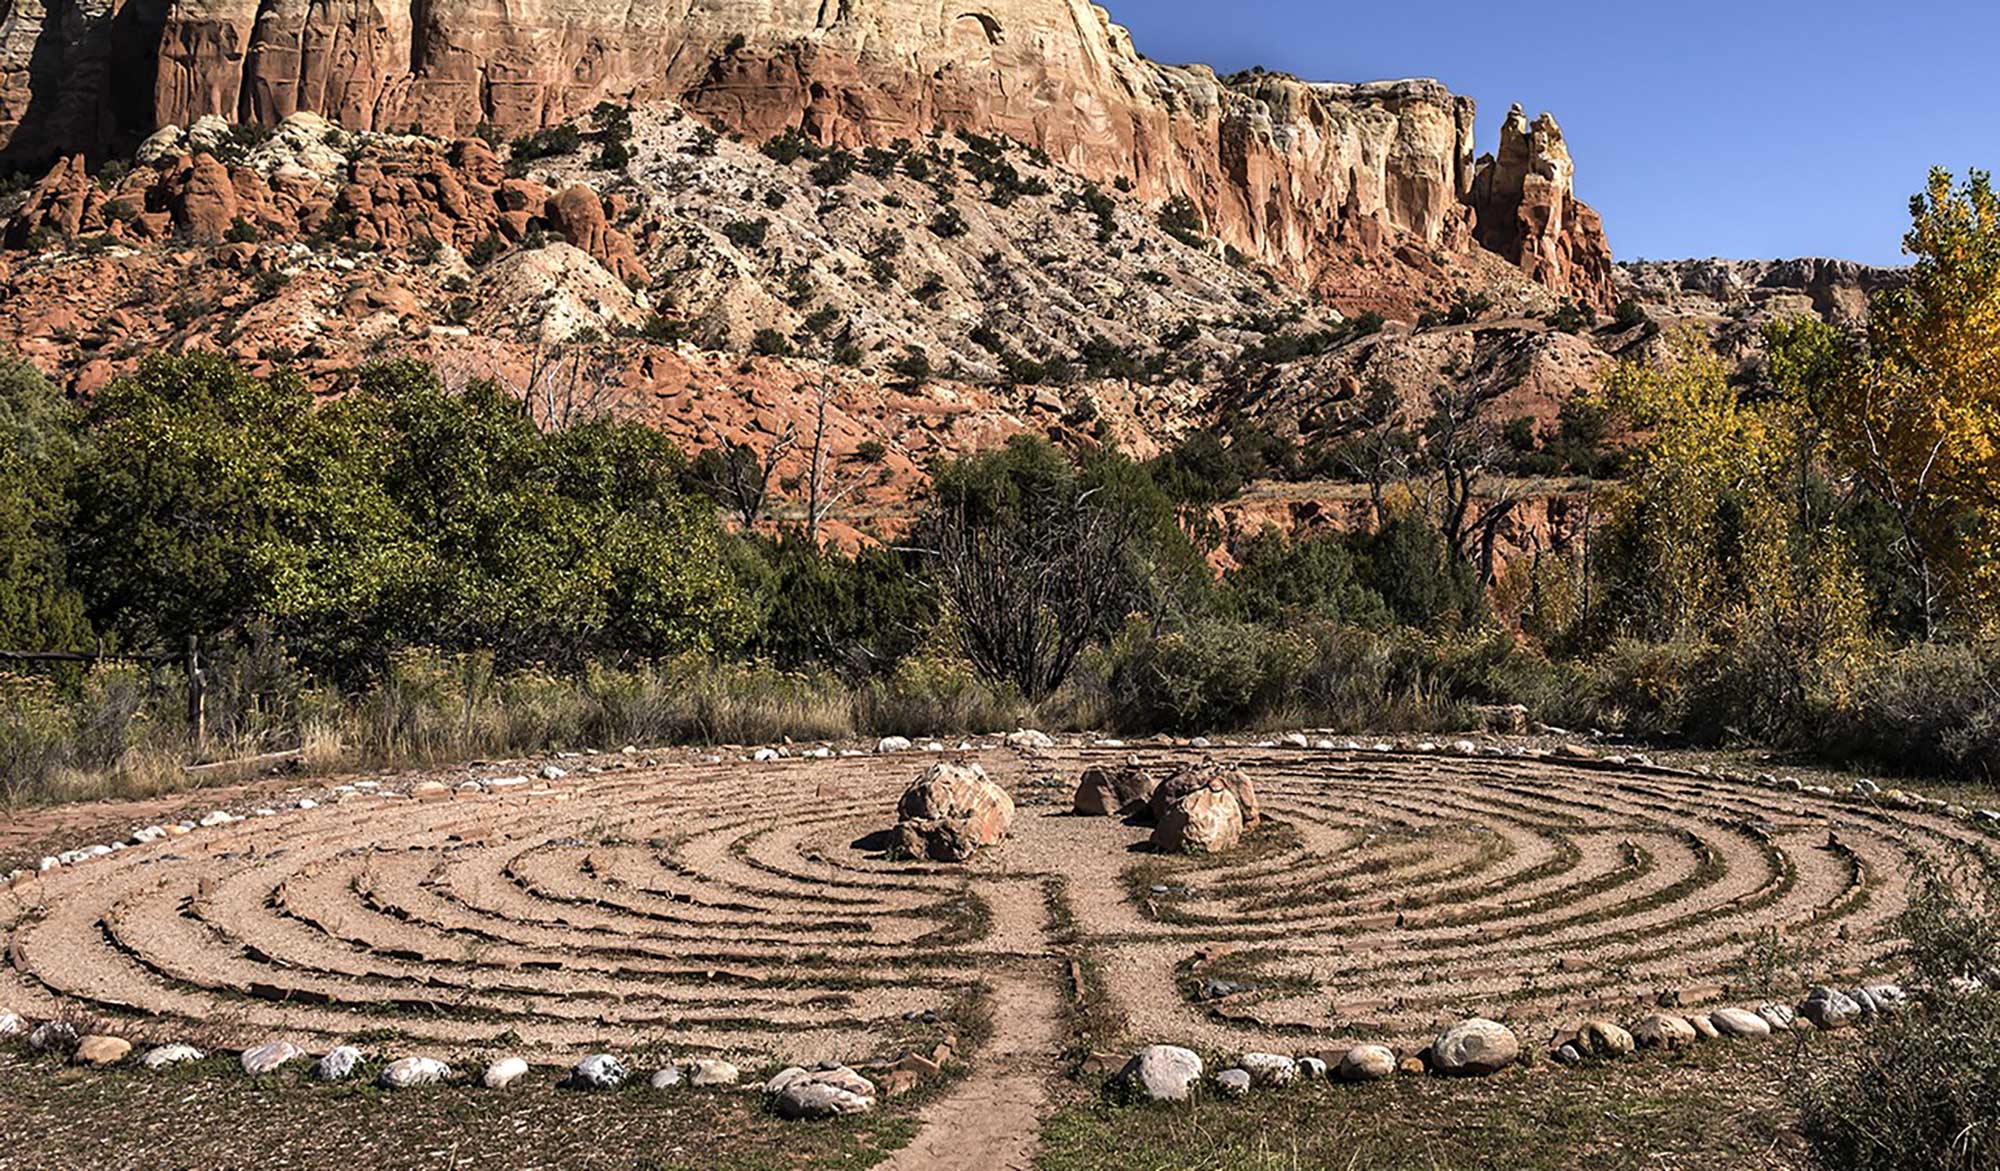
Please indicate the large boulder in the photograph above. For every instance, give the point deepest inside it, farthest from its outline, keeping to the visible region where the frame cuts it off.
(1740, 1024)
(1601, 1038)
(1190, 778)
(1474, 1047)
(1162, 1073)
(951, 811)
(1663, 1031)
(1207, 820)
(1366, 1063)
(1107, 792)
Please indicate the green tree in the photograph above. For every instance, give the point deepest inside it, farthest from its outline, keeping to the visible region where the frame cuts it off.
(39, 608)
(1278, 580)
(199, 490)
(863, 613)
(1038, 555)
(550, 546)
(1412, 568)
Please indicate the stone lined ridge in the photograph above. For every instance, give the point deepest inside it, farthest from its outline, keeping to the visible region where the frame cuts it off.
(736, 909)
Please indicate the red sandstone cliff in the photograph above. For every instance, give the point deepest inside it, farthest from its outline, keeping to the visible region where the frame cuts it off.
(1316, 180)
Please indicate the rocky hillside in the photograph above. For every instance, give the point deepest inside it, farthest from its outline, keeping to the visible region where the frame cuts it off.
(943, 292)
(1352, 190)
(948, 233)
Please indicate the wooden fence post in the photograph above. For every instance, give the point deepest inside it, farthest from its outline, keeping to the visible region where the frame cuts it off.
(197, 712)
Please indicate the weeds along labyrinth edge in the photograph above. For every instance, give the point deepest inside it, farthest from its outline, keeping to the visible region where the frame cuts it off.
(748, 909)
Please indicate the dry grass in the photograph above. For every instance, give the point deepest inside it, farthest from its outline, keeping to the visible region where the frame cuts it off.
(208, 1115)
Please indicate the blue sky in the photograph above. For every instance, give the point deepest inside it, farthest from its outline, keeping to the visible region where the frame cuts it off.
(1759, 128)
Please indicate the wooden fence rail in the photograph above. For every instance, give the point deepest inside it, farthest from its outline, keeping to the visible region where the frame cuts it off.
(197, 674)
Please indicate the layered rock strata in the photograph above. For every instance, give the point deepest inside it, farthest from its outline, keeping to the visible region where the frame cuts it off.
(1313, 179)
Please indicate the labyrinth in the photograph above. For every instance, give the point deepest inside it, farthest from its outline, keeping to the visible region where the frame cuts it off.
(749, 910)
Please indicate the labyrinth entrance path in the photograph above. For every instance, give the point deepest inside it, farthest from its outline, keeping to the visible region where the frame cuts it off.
(747, 910)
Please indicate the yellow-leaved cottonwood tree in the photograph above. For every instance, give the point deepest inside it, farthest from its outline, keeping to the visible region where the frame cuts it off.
(1915, 412)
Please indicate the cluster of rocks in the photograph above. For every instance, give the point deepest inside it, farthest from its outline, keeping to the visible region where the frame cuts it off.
(309, 177)
(1197, 808)
(1169, 1073)
(950, 812)
(827, 1090)
(1824, 1008)
(1478, 1047)
(599, 1071)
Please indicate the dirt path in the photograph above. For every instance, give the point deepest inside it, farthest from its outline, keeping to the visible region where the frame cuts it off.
(992, 1120)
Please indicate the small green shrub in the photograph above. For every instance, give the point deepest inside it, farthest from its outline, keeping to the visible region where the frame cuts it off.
(1181, 219)
(548, 143)
(948, 223)
(747, 234)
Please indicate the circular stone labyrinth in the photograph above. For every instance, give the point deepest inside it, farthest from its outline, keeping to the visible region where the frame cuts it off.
(747, 910)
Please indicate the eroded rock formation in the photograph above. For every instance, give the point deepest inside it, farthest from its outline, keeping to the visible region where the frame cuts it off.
(1312, 178)
(1527, 211)
(392, 194)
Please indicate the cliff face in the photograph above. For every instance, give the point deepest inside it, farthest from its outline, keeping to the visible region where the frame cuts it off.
(1313, 179)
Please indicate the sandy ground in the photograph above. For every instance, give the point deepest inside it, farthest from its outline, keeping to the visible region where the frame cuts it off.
(746, 909)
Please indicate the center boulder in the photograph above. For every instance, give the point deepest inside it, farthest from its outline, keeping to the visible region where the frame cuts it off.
(1202, 809)
(1108, 792)
(951, 811)
(1207, 820)
(1192, 778)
